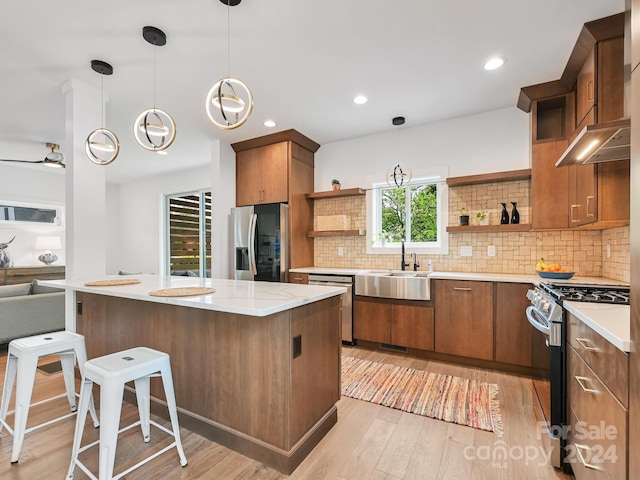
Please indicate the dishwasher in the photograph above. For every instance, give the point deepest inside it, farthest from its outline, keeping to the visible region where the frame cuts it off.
(347, 300)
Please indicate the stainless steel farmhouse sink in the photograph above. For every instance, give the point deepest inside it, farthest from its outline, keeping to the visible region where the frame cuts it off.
(405, 285)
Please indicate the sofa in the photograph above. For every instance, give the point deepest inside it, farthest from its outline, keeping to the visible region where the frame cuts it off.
(29, 309)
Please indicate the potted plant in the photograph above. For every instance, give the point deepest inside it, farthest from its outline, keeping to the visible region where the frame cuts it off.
(464, 216)
(335, 184)
(483, 217)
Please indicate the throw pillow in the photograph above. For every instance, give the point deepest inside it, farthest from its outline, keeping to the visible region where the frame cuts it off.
(17, 290)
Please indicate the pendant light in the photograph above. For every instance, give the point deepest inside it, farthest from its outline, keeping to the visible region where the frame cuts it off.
(229, 102)
(400, 175)
(154, 129)
(102, 145)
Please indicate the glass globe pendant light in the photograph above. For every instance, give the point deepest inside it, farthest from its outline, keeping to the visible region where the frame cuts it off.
(229, 102)
(400, 175)
(154, 129)
(102, 145)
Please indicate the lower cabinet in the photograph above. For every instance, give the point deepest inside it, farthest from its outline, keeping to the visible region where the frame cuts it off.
(596, 404)
(401, 323)
(514, 334)
(464, 318)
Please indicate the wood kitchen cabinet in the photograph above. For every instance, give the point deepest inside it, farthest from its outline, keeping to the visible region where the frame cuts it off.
(597, 397)
(513, 331)
(261, 175)
(464, 318)
(549, 195)
(400, 323)
(278, 168)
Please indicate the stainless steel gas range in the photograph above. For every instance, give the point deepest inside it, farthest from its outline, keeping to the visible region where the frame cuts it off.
(548, 317)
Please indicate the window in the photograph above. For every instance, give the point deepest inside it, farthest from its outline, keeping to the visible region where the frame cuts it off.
(25, 213)
(189, 234)
(416, 214)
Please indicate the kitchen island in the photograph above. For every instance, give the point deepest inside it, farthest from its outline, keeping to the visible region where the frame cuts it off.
(256, 365)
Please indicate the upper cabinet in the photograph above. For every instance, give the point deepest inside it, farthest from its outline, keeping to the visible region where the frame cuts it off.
(584, 108)
(261, 175)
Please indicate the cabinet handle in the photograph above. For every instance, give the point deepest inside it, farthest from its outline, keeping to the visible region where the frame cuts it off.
(581, 381)
(590, 201)
(580, 447)
(573, 208)
(464, 289)
(297, 278)
(583, 343)
(590, 91)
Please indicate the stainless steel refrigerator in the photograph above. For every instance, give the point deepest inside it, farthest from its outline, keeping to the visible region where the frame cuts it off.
(261, 242)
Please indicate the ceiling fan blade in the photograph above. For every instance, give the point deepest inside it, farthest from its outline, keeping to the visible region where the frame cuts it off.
(60, 164)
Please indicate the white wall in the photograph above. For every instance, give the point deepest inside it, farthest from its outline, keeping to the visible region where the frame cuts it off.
(29, 184)
(488, 142)
(135, 212)
(139, 221)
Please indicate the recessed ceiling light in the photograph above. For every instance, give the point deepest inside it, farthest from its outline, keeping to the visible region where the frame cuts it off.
(494, 63)
(360, 100)
(269, 123)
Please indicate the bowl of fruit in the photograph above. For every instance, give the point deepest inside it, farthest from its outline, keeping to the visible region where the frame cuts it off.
(552, 270)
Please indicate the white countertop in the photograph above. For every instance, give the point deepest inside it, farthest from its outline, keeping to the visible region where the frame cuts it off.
(231, 296)
(613, 322)
(482, 277)
(331, 271)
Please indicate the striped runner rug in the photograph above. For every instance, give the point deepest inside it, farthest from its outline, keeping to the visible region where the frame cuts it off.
(443, 397)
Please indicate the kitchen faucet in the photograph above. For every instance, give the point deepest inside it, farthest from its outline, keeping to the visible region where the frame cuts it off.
(415, 262)
(402, 262)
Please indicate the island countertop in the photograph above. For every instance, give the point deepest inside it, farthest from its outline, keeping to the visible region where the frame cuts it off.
(242, 297)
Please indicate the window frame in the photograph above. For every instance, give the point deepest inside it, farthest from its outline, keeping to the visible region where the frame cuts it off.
(374, 199)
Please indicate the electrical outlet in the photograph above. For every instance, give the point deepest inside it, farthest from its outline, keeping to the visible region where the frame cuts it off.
(340, 251)
(491, 251)
(608, 251)
(466, 251)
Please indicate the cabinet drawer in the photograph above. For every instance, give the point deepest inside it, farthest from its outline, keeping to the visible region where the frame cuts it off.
(302, 278)
(580, 454)
(600, 422)
(608, 362)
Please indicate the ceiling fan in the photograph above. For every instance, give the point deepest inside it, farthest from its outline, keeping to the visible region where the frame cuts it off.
(53, 159)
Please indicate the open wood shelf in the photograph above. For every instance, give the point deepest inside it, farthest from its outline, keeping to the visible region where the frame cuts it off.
(508, 176)
(518, 227)
(347, 192)
(335, 233)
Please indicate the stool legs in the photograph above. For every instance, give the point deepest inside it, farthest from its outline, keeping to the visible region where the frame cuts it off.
(110, 409)
(26, 378)
(81, 355)
(68, 362)
(167, 382)
(83, 406)
(9, 379)
(144, 405)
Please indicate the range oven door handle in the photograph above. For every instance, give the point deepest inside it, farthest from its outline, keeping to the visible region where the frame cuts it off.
(538, 321)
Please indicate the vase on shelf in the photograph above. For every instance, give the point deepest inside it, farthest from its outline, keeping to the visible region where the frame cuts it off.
(504, 218)
(515, 215)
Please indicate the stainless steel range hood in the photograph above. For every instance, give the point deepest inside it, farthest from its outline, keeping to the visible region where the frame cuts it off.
(605, 142)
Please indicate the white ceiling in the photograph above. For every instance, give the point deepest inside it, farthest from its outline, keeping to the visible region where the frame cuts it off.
(304, 61)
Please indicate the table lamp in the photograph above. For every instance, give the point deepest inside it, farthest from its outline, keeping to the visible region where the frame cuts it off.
(47, 244)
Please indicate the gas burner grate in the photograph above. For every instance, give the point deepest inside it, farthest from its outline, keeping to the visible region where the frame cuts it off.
(618, 294)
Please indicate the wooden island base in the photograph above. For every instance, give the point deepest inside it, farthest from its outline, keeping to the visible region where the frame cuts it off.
(235, 376)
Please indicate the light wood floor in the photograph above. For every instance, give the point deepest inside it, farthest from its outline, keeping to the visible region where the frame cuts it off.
(368, 442)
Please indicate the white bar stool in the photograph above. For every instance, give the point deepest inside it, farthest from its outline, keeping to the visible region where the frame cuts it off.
(22, 360)
(111, 372)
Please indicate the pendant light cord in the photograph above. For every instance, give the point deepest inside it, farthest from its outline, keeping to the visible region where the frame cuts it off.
(102, 99)
(154, 74)
(228, 39)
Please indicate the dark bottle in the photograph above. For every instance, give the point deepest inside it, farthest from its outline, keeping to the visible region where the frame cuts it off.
(504, 219)
(515, 215)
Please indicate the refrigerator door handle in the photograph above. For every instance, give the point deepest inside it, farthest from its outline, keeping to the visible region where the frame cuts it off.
(253, 223)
